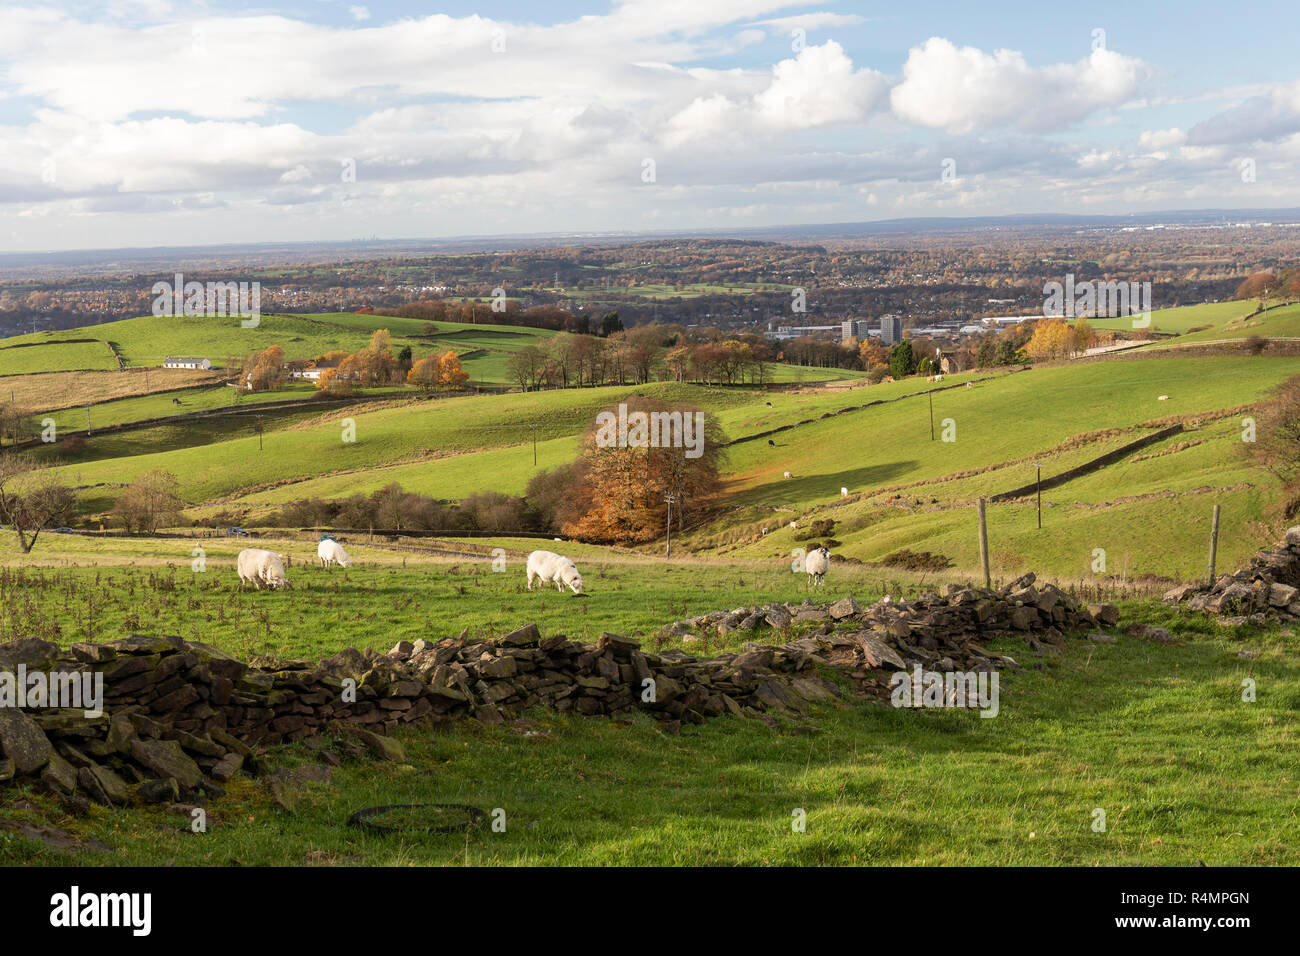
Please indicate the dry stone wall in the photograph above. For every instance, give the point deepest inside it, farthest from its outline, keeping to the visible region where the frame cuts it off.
(180, 719)
(1268, 587)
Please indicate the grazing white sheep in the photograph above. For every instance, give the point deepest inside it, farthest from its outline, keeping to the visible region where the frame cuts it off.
(788, 475)
(331, 552)
(844, 492)
(261, 568)
(547, 567)
(816, 564)
(1163, 398)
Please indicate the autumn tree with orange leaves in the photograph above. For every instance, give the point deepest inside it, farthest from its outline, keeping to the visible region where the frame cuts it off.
(1057, 338)
(623, 488)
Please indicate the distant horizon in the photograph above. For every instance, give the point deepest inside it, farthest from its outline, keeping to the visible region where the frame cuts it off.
(1189, 217)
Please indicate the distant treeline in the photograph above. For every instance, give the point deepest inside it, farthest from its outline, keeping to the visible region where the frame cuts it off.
(548, 317)
(395, 509)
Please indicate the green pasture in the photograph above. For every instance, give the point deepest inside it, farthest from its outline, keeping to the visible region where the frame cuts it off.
(60, 357)
(1156, 736)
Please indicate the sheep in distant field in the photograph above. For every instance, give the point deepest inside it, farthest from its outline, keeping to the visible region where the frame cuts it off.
(794, 525)
(547, 567)
(816, 564)
(331, 552)
(788, 475)
(261, 568)
(1163, 398)
(844, 492)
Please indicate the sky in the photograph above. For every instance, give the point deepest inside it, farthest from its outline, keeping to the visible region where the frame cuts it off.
(129, 123)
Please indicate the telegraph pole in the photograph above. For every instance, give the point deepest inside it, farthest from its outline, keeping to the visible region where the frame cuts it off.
(668, 540)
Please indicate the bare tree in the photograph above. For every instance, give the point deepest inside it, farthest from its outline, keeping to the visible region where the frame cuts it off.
(16, 424)
(150, 502)
(31, 499)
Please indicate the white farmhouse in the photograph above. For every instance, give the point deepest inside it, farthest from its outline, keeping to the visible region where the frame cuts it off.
(174, 361)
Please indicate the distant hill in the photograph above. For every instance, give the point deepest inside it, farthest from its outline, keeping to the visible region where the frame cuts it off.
(147, 340)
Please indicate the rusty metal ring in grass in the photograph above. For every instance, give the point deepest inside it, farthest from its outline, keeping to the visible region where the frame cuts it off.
(474, 816)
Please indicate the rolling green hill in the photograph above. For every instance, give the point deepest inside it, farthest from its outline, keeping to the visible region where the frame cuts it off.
(905, 490)
(57, 357)
(1281, 321)
(148, 340)
(1182, 319)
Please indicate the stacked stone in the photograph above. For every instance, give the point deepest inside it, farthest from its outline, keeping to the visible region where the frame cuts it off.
(1267, 588)
(180, 719)
(936, 631)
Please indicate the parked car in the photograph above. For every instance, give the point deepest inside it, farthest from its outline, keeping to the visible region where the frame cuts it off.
(236, 533)
(62, 530)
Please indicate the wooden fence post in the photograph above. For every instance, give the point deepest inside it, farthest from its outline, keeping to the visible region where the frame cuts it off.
(1214, 547)
(984, 546)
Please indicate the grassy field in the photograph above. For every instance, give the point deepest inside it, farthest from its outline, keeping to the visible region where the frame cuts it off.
(1149, 512)
(389, 594)
(1278, 322)
(1182, 319)
(149, 339)
(57, 357)
(386, 433)
(51, 391)
(142, 407)
(905, 490)
(1157, 736)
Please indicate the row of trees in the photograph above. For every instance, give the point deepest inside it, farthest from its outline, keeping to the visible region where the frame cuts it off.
(374, 366)
(507, 312)
(1283, 283)
(640, 355)
(1056, 338)
(393, 508)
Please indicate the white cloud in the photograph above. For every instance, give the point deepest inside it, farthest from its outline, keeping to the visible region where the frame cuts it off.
(149, 121)
(1161, 139)
(1270, 115)
(811, 21)
(819, 87)
(963, 88)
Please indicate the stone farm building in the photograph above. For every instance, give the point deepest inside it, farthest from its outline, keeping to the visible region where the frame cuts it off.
(175, 361)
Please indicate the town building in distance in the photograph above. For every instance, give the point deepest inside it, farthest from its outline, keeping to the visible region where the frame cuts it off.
(891, 329)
